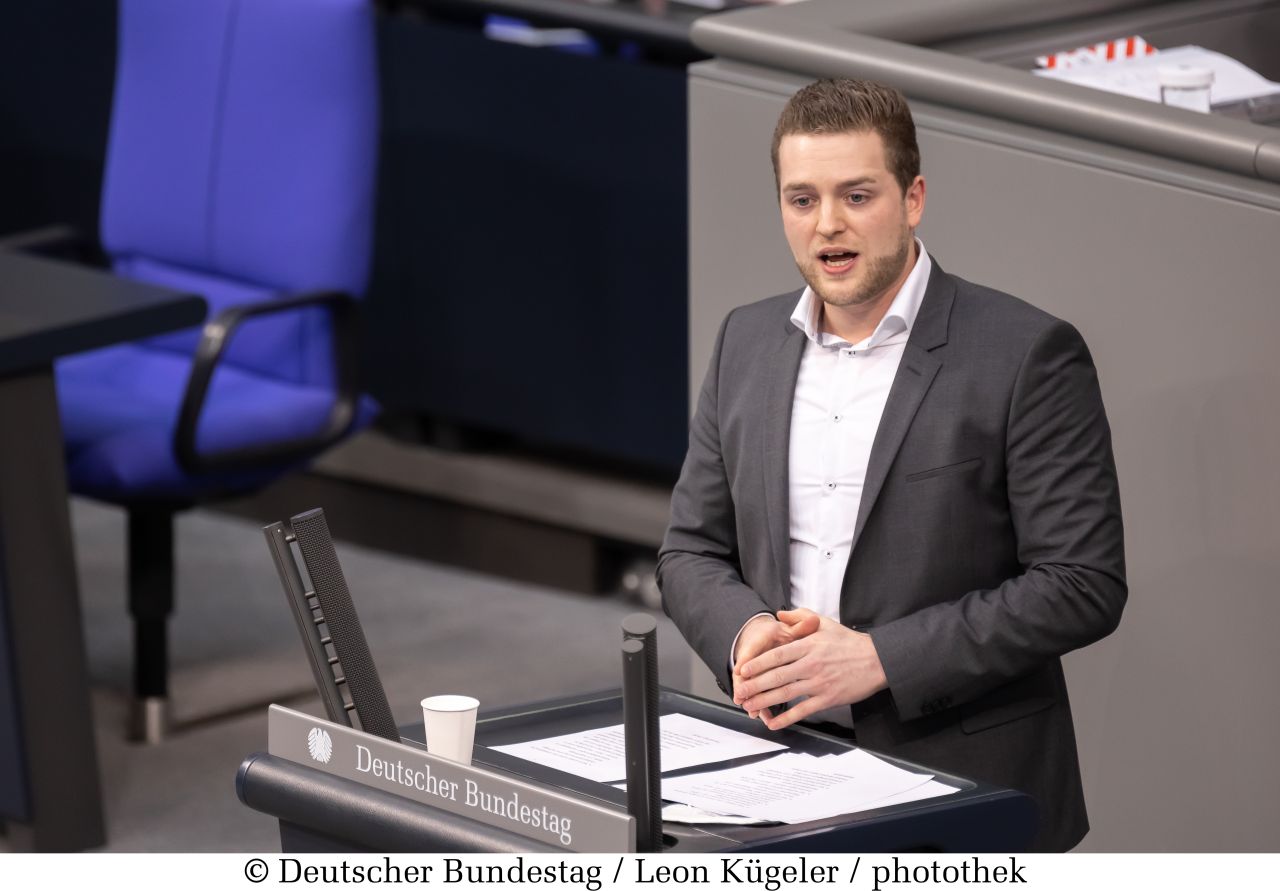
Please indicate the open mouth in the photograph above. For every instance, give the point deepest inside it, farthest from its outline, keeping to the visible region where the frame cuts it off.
(837, 260)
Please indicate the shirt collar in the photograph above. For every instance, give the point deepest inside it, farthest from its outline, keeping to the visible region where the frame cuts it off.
(898, 319)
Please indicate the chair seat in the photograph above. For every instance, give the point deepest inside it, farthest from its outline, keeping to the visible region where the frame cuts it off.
(122, 450)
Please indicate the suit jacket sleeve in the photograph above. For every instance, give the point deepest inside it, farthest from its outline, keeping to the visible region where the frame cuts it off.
(699, 570)
(1065, 510)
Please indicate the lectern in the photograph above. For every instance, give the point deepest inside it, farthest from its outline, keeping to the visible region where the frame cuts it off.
(338, 787)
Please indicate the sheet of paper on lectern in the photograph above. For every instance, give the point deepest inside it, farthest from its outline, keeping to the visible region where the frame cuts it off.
(598, 754)
(797, 788)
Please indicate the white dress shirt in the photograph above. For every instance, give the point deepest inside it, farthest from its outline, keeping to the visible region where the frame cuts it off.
(840, 394)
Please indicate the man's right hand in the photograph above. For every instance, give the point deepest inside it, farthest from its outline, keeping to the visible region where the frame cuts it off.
(764, 633)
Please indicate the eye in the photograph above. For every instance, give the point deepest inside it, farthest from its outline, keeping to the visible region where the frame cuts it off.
(858, 198)
(802, 201)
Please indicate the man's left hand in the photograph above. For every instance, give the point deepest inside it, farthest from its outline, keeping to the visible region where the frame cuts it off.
(832, 666)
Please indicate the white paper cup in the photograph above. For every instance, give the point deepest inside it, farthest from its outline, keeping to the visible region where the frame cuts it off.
(450, 723)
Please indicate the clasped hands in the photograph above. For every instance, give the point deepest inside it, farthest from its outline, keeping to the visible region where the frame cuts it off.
(801, 653)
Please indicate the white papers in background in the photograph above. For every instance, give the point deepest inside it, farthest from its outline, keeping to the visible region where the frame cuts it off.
(721, 4)
(1106, 51)
(1139, 77)
(599, 754)
(509, 31)
(797, 788)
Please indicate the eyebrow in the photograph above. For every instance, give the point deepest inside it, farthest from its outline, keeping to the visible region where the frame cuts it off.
(847, 184)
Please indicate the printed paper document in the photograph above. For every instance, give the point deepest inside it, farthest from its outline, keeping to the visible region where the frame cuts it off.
(688, 814)
(796, 788)
(1140, 77)
(598, 754)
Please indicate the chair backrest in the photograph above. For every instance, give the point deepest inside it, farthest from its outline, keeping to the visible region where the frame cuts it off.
(242, 159)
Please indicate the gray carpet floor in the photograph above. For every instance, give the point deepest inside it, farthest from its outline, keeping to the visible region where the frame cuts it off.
(432, 629)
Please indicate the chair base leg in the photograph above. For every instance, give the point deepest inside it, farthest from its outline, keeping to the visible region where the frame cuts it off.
(150, 604)
(150, 721)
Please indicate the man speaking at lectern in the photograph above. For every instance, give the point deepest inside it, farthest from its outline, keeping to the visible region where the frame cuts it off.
(899, 506)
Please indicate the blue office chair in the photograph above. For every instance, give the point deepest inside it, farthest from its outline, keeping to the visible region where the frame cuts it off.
(240, 166)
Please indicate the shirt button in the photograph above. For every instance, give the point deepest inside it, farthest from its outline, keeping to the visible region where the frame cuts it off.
(831, 487)
(836, 418)
(827, 554)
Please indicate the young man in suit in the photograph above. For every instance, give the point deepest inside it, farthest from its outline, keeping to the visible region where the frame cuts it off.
(899, 506)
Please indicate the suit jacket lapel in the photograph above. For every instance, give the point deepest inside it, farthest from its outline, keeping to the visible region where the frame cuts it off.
(915, 374)
(779, 395)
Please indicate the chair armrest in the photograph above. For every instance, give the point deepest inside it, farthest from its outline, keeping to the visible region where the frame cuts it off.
(213, 343)
(59, 241)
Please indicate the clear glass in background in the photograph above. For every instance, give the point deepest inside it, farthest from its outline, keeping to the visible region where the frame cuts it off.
(1183, 86)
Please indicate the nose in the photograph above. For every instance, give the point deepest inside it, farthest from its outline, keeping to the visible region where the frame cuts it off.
(830, 220)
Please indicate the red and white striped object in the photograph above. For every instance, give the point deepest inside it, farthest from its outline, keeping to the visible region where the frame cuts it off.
(1106, 51)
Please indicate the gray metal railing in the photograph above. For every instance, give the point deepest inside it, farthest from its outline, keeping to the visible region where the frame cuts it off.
(820, 39)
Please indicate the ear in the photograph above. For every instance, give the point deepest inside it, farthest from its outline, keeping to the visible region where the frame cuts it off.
(914, 200)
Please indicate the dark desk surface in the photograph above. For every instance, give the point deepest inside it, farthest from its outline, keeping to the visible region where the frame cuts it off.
(49, 784)
(51, 308)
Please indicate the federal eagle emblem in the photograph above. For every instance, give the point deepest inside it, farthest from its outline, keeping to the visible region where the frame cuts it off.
(319, 745)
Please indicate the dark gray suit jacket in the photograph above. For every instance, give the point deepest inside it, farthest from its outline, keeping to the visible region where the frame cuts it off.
(988, 541)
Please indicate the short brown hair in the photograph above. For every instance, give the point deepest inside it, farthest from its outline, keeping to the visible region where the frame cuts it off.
(844, 105)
